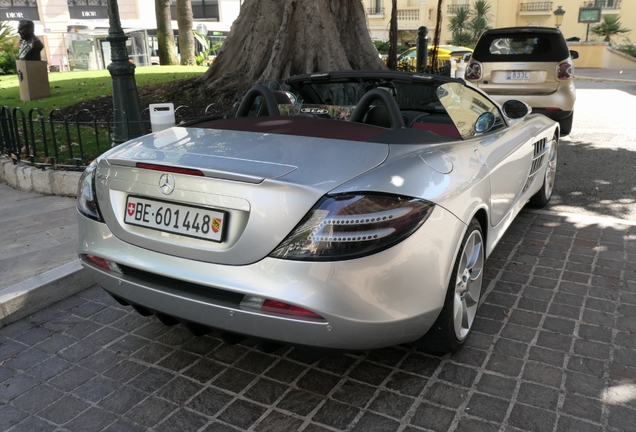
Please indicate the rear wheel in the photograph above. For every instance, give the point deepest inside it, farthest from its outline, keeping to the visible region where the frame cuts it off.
(542, 197)
(455, 321)
(566, 124)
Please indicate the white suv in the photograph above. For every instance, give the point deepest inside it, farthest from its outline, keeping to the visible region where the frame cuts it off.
(532, 64)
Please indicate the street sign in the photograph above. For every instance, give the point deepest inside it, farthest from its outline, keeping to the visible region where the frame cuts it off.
(589, 14)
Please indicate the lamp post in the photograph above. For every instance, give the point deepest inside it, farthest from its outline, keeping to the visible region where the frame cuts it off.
(126, 106)
(558, 16)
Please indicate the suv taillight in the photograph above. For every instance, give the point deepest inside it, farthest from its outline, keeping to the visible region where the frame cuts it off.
(473, 71)
(565, 70)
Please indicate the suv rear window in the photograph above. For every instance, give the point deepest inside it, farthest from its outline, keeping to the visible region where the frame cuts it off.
(521, 47)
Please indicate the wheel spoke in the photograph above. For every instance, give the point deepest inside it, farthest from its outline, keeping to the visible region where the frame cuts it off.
(469, 299)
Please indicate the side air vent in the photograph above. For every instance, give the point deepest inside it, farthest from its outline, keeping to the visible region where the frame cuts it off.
(214, 294)
(540, 148)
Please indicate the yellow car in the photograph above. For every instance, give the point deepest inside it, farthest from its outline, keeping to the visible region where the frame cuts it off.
(444, 53)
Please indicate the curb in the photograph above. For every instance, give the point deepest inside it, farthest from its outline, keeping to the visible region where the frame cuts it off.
(31, 179)
(584, 78)
(38, 292)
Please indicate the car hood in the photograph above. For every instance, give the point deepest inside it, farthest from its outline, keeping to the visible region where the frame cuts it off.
(263, 183)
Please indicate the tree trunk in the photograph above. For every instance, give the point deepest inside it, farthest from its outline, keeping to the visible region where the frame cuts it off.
(275, 39)
(393, 37)
(438, 32)
(186, 37)
(165, 35)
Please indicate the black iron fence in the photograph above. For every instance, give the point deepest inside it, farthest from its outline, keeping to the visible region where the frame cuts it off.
(70, 142)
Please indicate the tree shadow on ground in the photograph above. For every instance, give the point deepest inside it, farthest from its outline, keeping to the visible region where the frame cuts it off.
(595, 181)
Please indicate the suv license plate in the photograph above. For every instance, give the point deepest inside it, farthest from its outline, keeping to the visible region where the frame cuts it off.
(175, 218)
(517, 76)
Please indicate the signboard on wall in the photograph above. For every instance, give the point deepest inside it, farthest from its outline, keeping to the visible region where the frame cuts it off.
(18, 13)
(589, 15)
(88, 12)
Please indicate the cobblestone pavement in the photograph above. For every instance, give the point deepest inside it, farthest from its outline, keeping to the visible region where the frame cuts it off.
(552, 350)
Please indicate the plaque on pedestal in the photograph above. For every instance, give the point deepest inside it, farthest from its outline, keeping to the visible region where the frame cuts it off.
(34, 79)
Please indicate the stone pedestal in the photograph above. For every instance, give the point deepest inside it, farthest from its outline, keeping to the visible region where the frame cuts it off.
(34, 80)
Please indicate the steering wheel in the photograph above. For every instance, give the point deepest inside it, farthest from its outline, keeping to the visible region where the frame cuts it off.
(269, 101)
(397, 122)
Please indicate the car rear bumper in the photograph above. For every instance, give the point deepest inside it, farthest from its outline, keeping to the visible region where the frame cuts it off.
(556, 105)
(385, 299)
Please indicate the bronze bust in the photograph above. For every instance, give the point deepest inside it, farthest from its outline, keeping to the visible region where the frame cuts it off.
(30, 44)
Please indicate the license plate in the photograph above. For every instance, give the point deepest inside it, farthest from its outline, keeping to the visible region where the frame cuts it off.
(175, 218)
(517, 76)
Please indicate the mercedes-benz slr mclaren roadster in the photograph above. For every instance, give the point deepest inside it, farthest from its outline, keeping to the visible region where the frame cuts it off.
(344, 210)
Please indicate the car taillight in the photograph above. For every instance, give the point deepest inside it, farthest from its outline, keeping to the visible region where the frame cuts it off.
(565, 70)
(86, 196)
(349, 226)
(473, 71)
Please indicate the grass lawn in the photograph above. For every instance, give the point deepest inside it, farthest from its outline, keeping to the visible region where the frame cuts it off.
(74, 144)
(69, 88)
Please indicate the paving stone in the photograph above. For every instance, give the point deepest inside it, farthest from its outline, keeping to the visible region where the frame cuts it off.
(64, 409)
(101, 361)
(600, 305)
(10, 416)
(431, 417)
(621, 417)
(391, 404)
(530, 418)
(339, 365)
(233, 380)
(504, 365)
(299, 402)
(533, 305)
(625, 356)
(569, 424)
(582, 407)
(595, 333)
(370, 422)
(488, 407)
(34, 335)
(322, 382)
(538, 396)
(525, 318)
(469, 356)
(598, 318)
(558, 342)
(407, 384)
(93, 419)
(209, 402)
(96, 389)
(17, 386)
(285, 371)
(37, 399)
(26, 359)
(335, 414)
(420, 364)
(183, 420)
(354, 393)
(487, 326)
(460, 375)
(444, 394)
(10, 348)
(496, 385)
(122, 400)
(592, 349)
(149, 411)
(584, 384)
(510, 348)
(151, 379)
(475, 425)
(178, 360)
(586, 365)
(228, 353)
(204, 370)
(543, 374)
(627, 324)
(479, 341)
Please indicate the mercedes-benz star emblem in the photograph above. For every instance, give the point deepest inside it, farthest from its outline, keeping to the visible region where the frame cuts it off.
(166, 184)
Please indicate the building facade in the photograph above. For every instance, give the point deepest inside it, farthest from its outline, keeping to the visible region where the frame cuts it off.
(74, 31)
(413, 14)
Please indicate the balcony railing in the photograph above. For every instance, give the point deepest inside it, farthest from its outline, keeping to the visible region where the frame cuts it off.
(536, 6)
(375, 10)
(605, 4)
(408, 14)
(452, 9)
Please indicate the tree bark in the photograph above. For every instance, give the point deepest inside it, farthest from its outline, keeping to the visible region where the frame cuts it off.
(275, 39)
(186, 37)
(438, 32)
(165, 35)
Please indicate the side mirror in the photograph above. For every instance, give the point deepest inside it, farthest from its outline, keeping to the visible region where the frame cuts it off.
(515, 109)
(484, 122)
(574, 54)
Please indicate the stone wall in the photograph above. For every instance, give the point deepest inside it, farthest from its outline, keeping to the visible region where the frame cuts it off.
(43, 181)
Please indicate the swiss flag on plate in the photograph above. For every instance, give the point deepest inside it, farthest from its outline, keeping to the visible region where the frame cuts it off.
(131, 209)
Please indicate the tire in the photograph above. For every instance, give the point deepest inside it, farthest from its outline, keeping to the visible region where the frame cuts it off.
(566, 124)
(455, 321)
(543, 195)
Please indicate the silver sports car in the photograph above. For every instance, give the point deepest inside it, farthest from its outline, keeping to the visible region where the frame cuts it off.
(344, 210)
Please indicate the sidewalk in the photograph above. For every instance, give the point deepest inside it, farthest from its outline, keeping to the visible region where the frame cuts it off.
(38, 259)
(605, 74)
